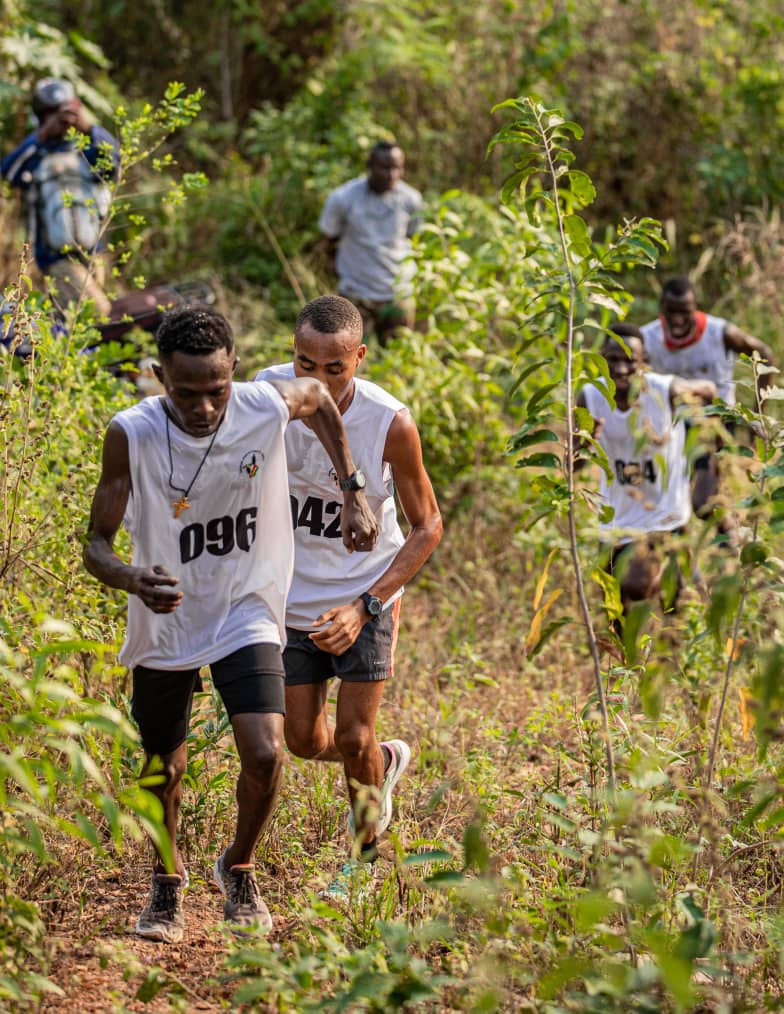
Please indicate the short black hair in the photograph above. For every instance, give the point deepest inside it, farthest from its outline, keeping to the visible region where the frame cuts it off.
(330, 314)
(677, 287)
(382, 147)
(624, 330)
(195, 330)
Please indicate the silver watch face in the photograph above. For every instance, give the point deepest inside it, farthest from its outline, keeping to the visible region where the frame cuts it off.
(354, 481)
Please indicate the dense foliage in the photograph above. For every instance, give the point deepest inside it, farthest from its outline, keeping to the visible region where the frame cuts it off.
(594, 822)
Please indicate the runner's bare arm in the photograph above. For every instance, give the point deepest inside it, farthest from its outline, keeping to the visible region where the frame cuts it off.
(704, 391)
(328, 246)
(738, 341)
(307, 398)
(403, 451)
(153, 585)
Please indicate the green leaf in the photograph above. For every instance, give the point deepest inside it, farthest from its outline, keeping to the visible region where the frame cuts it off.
(753, 554)
(538, 397)
(435, 856)
(633, 624)
(725, 595)
(541, 460)
(611, 591)
(592, 908)
(154, 982)
(525, 373)
(582, 187)
(579, 237)
(523, 440)
(547, 633)
(475, 848)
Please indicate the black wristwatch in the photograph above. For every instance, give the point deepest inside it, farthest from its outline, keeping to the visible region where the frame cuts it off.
(355, 481)
(373, 605)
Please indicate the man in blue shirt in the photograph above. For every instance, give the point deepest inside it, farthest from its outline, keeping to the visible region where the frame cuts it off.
(66, 193)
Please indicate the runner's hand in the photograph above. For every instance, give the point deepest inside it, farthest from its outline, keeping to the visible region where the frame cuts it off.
(358, 523)
(345, 623)
(155, 587)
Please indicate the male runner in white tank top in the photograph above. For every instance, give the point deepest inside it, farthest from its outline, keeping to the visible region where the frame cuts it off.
(198, 476)
(644, 443)
(342, 613)
(695, 345)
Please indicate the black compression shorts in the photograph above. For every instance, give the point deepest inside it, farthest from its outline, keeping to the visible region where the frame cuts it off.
(250, 681)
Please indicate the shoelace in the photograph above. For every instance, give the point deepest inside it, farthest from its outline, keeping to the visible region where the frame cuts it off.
(164, 897)
(244, 889)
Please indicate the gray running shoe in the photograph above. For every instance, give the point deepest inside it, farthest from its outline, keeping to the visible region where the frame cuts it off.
(162, 918)
(244, 906)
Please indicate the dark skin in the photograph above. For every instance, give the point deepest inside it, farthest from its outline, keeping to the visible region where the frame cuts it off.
(57, 122)
(198, 388)
(642, 570)
(679, 313)
(334, 359)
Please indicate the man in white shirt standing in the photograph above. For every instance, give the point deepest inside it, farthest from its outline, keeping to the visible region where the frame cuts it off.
(368, 224)
(342, 612)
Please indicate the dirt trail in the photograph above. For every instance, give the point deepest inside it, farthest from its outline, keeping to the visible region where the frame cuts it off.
(99, 962)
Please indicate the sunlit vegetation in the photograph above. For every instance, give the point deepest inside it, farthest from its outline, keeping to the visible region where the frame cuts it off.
(592, 822)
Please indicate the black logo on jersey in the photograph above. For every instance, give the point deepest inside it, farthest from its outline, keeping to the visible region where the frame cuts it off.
(251, 463)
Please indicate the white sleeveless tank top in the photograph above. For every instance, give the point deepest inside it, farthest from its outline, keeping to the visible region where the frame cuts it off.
(707, 359)
(645, 447)
(232, 549)
(325, 575)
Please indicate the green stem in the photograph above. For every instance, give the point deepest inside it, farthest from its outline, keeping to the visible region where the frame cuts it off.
(741, 605)
(569, 462)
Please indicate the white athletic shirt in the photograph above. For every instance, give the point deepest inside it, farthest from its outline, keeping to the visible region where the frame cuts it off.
(645, 447)
(374, 233)
(232, 549)
(325, 575)
(707, 359)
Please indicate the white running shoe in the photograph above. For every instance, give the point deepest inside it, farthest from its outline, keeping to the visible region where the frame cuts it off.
(400, 752)
(400, 757)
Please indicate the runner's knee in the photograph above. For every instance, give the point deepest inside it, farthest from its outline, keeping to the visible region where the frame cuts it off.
(171, 768)
(306, 743)
(263, 760)
(354, 740)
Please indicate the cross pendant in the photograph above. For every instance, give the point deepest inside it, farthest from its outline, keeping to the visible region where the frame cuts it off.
(180, 505)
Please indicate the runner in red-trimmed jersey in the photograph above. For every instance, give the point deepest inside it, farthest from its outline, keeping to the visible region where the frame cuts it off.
(698, 346)
(341, 617)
